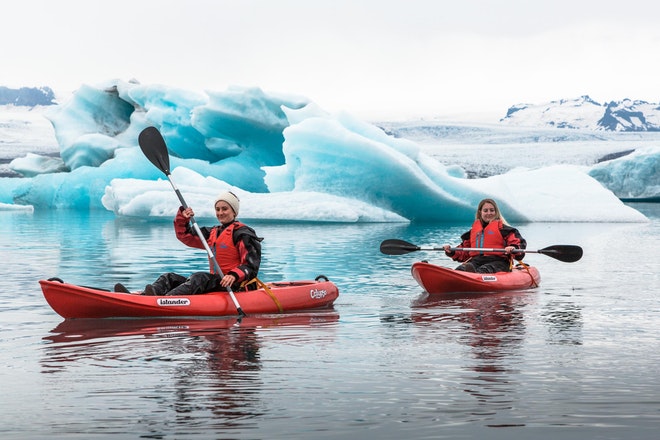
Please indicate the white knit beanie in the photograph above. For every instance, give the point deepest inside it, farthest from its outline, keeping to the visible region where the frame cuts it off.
(231, 199)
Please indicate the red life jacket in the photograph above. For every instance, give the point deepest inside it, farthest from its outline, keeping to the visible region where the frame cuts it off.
(487, 237)
(223, 247)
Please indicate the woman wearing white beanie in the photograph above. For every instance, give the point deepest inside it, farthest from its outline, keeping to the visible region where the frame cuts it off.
(229, 198)
(235, 245)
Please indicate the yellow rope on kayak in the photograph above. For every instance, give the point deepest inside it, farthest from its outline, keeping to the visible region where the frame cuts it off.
(270, 293)
(526, 266)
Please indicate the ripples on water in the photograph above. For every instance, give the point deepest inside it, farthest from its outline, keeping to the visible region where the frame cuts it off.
(575, 358)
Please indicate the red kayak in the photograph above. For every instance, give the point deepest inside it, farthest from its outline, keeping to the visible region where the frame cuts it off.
(438, 279)
(72, 301)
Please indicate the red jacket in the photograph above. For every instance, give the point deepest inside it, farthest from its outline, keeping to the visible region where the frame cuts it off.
(492, 235)
(236, 246)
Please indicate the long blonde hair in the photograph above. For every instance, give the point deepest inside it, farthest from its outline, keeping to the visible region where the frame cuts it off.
(498, 214)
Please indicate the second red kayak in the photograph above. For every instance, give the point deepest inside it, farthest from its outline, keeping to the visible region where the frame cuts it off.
(437, 279)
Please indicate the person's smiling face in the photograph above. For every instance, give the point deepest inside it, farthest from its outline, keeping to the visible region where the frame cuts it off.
(488, 212)
(224, 213)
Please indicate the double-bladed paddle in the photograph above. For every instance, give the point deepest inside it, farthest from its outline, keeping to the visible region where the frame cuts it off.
(153, 146)
(566, 253)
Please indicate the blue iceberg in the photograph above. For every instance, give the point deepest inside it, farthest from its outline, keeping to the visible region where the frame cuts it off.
(634, 177)
(286, 158)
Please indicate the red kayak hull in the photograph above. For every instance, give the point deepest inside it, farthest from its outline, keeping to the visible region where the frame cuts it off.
(72, 301)
(437, 279)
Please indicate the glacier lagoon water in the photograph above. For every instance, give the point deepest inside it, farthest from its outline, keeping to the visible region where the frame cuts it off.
(576, 358)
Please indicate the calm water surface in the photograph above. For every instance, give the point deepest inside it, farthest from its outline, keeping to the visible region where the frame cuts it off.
(577, 357)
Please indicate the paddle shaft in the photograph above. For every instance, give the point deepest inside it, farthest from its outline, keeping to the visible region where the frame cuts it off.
(196, 227)
(454, 249)
(209, 252)
(153, 146)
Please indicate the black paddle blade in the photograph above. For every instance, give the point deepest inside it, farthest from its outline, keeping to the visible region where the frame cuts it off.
(153, 146)
(566, 253)
(397, 247)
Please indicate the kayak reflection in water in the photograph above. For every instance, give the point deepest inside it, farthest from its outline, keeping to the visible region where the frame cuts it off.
(489, 230)
(235, 245)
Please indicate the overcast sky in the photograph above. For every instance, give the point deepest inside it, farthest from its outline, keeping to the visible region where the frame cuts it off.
(368, 57)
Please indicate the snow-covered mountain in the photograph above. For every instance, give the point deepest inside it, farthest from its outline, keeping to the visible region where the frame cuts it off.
(585, 113)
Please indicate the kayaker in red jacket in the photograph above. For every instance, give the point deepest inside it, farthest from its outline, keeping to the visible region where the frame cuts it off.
(489, 230)
(235, 245)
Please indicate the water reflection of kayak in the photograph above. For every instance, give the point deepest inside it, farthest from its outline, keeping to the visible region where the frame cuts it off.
(438, 280)
(72, 301)
(73, 330)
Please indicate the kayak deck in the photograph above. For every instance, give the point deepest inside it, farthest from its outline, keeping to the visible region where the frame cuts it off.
(73, 301)
(437, 279)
